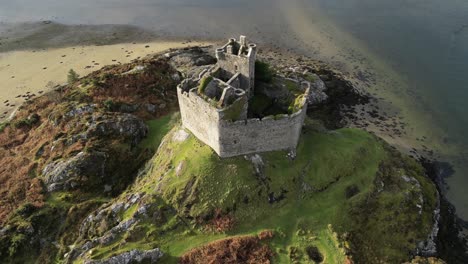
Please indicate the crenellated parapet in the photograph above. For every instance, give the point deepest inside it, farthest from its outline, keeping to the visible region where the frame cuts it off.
(214, 107)
(239, 57)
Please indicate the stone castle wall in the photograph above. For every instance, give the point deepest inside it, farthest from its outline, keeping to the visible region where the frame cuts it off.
(229, 139)
(255, 135)
(243, 64)
(199, 117)
(239, 63)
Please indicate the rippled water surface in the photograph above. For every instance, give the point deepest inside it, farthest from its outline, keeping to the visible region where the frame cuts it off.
(424, 41)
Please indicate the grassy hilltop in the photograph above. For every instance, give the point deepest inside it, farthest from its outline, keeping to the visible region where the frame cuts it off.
(346, 197)
(343, 193)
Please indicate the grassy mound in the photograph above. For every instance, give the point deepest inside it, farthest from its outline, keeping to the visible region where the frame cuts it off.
(344, 194)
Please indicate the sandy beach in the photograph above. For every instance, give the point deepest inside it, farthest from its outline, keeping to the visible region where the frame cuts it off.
(25, 74)
(37, 57)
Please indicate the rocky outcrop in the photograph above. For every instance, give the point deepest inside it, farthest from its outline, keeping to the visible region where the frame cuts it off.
(258, 164)
(317, 94)
(133, 256)
(180, 135)
(191, 62)
(273, 90)
(120, 125)
(81, 110)
(102, 227)
(190, 57)
(70, 173)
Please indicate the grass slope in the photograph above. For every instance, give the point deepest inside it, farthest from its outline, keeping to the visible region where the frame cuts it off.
(306, 201)
(158, 128)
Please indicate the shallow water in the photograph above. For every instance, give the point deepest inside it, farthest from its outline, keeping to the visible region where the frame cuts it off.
(424, 41)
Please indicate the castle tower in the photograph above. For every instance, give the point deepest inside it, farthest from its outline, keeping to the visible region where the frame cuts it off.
(214, 106)
(238, 57)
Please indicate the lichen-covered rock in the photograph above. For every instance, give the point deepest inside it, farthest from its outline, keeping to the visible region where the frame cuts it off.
(180, 136)
(191, 57)
(190, 62)
(70, 173)
(124, 226)
(120, 125)
(81, 110)
(258, 164)
(317, 86)
(103, 226)
(133, 256)
(110, 214)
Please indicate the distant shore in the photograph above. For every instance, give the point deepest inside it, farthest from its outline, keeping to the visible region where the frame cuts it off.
(44, 57)
(35, 58)
(31, 61)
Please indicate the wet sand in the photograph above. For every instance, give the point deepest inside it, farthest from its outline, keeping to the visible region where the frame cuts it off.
(305, 31)
(26, 74)
(408, 121)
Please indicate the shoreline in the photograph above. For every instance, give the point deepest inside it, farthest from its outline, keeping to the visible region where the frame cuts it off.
(87, 58)
(451, 243)
(27, 74)
(448, 214)
(344, 97)
(418, 132)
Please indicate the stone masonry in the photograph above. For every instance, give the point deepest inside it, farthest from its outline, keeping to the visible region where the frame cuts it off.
(217, 112)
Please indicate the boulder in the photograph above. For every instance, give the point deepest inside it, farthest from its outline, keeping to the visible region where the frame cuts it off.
(81, 110)
(120, 125)
(317, 90)
(151, 108)
(258, 165)
(191, 62)
(190, 58)
(128, 108)
(70, 173)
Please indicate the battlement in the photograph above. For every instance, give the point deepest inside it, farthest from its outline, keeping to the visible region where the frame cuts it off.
(239, 57)
(214, 107)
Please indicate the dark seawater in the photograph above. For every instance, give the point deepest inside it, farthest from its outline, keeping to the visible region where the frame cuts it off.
(424, 41)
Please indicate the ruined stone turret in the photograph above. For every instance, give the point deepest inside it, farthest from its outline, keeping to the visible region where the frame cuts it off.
(214, 106)
(238, 57)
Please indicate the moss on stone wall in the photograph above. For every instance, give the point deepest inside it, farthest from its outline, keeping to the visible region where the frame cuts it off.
(293, 87)
(296, 104)
(234, 111)
(203, 84)
(259, 103)
(263, 72)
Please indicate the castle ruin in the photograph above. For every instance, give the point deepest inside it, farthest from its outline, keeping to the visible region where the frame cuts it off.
(215, 106)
